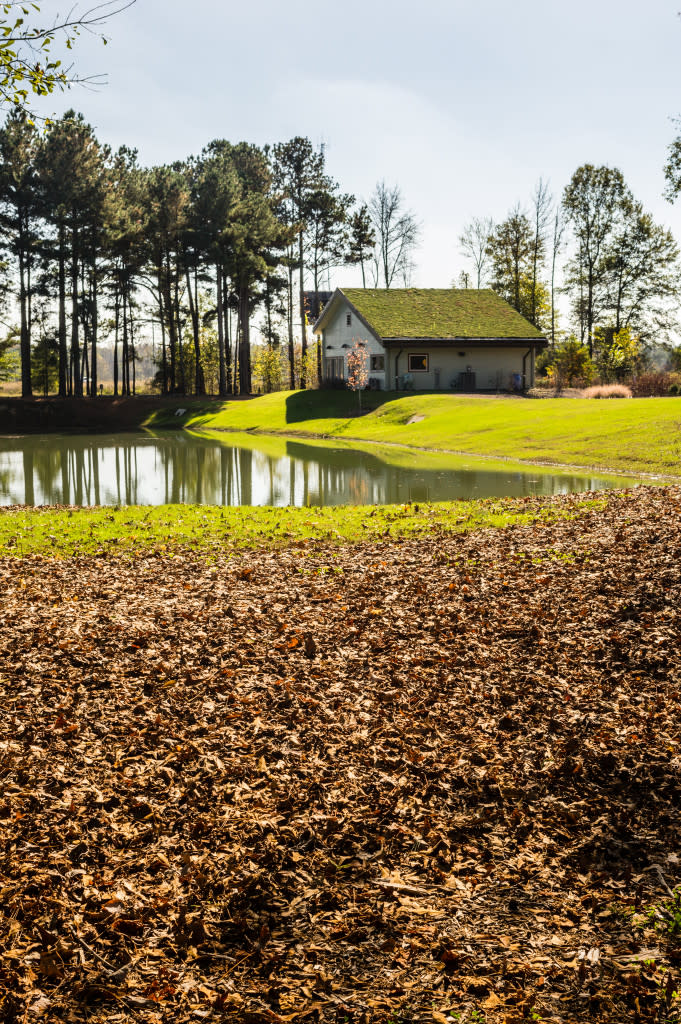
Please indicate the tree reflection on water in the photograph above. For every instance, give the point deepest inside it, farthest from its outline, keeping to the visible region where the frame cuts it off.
(178, 468)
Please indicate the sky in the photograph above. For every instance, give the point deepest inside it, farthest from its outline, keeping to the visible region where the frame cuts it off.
(462, 105)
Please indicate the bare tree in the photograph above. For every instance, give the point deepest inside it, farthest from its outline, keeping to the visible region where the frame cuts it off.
(557, 242)
(474, 242)
(397, 234)
(361, 240)
(542, 201)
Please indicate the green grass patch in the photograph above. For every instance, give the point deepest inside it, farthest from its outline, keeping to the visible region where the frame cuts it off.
(163, 529)
(623, 436)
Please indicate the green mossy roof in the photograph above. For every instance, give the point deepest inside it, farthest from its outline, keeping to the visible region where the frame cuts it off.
(439, 313)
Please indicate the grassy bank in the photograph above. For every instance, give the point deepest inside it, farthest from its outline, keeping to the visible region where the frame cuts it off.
(67, 532)
(634, 436)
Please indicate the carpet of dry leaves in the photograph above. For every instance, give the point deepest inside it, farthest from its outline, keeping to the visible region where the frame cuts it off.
(388, 782)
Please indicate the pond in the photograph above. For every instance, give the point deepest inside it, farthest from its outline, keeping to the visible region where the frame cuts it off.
(244, 469)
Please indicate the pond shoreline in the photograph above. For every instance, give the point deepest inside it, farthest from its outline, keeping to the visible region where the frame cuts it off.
(599, 439)
(574, 467)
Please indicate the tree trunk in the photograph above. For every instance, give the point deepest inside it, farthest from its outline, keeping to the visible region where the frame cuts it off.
(132, 351)
(235, 363)
(303, 326)
(291, 344)
(516, 283)
(84, 369)
(553, 297)
(95, 329)
(125, 367)
(85, 365)
(227, 318)
(199, 386)
(315, 314)
(161, 313)
(589, 313)
(25, 335)
(170, 313)
(63, 352)
(180, 354)
(245, 345)
(222, 386)
(75, 353)
(116, 331)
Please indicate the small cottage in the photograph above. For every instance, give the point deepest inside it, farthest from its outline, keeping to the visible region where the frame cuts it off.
(459, 339)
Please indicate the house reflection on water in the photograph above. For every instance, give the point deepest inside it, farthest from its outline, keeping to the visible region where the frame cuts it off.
(173, 468)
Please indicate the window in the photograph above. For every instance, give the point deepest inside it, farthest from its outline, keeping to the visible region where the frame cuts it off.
(378, 362)
(348, 319)
(418, 363)
(335, 365)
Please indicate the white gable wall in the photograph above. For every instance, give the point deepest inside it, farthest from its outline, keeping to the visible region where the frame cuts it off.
(338, 333)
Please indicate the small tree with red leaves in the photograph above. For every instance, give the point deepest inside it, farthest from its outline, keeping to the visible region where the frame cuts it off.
(358, 368)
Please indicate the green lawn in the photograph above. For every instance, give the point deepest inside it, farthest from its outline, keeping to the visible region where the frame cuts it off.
(626, 436)
(160, 530)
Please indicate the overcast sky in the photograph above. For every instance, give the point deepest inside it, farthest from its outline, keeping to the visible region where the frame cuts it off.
(463, 105)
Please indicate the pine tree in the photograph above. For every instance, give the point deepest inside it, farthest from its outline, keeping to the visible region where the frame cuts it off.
(216, 193)
(19, 213)
(361, 240)
(256, 233)
(299, 171)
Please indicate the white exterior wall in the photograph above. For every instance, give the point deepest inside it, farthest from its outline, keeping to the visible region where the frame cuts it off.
(493, 367)
(337, 333)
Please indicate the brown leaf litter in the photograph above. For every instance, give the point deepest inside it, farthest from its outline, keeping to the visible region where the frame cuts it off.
(385, 782)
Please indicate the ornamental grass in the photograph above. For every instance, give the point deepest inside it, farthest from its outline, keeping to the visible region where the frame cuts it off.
(607, 391)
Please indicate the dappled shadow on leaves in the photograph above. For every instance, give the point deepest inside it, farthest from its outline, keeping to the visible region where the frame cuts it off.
(328, 784)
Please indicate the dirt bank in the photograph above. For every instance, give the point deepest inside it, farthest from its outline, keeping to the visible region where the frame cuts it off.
(71, 415)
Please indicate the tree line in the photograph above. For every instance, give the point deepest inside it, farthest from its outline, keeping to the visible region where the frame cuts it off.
(595, 245)
(97, 247)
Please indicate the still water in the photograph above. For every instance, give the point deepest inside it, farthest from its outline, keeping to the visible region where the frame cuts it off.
(233, 469)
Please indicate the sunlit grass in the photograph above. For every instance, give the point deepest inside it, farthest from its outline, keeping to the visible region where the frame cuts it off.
(165, 529)
(628, 436)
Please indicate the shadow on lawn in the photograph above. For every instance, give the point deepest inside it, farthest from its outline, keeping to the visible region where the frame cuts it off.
(334, 404)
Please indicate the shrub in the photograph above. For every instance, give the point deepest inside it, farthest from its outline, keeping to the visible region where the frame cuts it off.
(570, 361)
(647, 385)
(607, 391)
(617, 353)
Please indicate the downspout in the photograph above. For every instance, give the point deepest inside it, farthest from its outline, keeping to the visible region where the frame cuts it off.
(528, 353)
(397, 359)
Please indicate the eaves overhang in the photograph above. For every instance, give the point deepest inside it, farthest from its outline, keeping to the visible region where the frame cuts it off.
(538, 340)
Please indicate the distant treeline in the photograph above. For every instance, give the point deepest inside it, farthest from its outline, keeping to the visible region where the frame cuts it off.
(597, 247)
(96, 246)
(100, 252)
